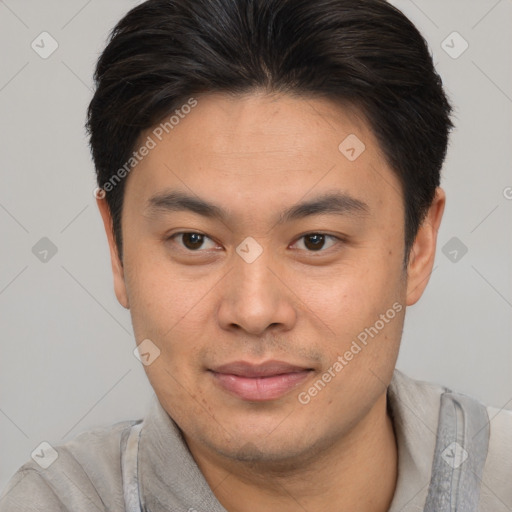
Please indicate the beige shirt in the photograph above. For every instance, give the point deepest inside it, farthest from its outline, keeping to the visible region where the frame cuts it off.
(111, 469)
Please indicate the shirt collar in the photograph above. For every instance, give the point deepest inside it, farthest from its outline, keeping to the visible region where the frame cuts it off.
(414, 407)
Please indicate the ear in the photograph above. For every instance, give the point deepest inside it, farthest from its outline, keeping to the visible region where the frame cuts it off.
(117, 267)
(423, 250)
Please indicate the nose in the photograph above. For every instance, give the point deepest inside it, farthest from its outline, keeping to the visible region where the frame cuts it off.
(256, 297)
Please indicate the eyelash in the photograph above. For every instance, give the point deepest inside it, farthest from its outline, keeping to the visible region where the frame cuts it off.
(322, 250)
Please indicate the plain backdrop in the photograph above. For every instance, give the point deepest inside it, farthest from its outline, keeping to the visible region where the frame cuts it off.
(66, 360)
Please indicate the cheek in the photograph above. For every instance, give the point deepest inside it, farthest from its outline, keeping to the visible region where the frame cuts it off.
(363, 301)
(160, 299)
(353, 292)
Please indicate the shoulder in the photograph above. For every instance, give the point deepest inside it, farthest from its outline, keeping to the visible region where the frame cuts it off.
(481, 422)
(82, 474)
(497, 477)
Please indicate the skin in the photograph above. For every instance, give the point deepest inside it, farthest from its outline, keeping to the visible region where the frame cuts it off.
(256, 155)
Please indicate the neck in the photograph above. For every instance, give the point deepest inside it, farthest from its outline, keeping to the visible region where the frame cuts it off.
(356, 472)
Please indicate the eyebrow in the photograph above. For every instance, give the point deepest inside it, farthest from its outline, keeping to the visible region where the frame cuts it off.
(329, 203)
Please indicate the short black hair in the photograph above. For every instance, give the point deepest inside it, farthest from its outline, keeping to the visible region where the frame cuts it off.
(364, 53)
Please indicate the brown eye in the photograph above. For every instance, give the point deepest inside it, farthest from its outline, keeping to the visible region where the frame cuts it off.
(191, 241)
(315, 242)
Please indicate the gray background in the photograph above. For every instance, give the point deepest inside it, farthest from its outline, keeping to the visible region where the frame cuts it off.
(66, 361)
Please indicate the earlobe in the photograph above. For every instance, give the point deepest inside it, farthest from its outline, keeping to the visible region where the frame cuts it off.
(117, 268)
(423, 250)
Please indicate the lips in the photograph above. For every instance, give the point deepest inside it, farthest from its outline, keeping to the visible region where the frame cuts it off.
(259, 382)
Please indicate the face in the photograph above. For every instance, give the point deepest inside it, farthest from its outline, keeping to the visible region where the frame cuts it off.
(264, 261)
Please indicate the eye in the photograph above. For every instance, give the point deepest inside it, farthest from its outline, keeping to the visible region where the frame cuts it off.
(191, 240)
(312, 242)
(315, 242)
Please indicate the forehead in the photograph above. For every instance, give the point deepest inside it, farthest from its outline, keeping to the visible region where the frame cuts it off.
(234, 125)
(261, 148)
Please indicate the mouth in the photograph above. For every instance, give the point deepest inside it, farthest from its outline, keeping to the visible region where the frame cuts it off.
(259, 382)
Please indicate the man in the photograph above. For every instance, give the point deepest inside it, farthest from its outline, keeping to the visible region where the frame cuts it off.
(268, 177)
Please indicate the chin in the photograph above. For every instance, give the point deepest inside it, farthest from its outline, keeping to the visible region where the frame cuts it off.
(269, 451)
